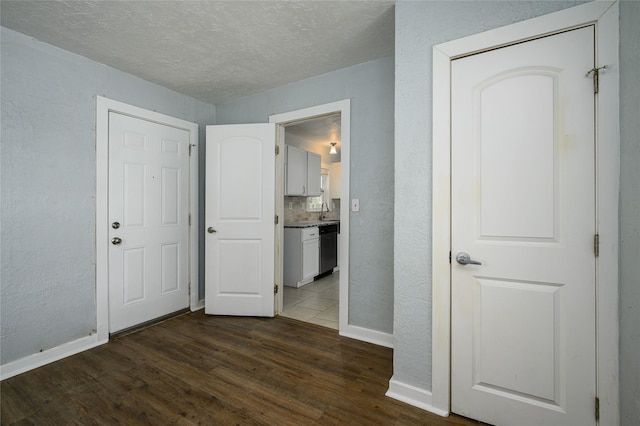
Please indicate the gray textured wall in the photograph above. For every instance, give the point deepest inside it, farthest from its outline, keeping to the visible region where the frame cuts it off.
(48, 187)
(370, 88)
(630, 213)
(420, 26)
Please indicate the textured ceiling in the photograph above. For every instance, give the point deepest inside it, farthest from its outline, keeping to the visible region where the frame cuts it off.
(212, 50)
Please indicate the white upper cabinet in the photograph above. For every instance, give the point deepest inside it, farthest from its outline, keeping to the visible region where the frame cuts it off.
(296, 171)
(334, 179)
(314, 175)
(302, 172)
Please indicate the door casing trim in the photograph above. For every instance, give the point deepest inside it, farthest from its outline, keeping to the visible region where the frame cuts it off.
(604, 14)
(103, 107)
(282, 120)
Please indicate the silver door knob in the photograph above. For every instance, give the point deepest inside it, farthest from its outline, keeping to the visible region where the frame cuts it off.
(115, 225)
(116, 241)
(211, 230)
(464, 259)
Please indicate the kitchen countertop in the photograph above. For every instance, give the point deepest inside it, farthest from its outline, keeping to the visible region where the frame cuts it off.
(310, 223)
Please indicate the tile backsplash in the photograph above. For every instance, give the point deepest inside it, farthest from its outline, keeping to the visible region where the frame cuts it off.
(299, 211)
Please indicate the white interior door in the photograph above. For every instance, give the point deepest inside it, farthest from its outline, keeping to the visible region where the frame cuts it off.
(149, 220)
(240, 212)
(523, 204)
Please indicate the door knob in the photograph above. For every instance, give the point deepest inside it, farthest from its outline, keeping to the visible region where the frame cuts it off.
(211, 230)
(116, 241)
(464, 259)
(115, 225)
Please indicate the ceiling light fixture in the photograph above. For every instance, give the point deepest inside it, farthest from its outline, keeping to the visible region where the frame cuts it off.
(333, 148)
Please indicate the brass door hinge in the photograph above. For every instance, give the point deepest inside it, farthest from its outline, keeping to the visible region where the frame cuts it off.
(597, 409)
(276, 220)
(596, 245)
(277, 150)
(275, 289)
(596, 77)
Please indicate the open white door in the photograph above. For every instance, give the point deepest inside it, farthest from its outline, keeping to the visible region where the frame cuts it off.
(239, 217)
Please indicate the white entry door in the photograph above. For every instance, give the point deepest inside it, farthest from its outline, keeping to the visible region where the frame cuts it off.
(523, 205)
(148, 220)
(239, 217)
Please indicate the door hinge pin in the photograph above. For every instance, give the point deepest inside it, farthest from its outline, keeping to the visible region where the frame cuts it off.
(276, 220)
(596, 77)
(191, 145)
(597, 408)
(596, 245)
(189, 219)
(277, 150)
(275, 289)
(449, 257)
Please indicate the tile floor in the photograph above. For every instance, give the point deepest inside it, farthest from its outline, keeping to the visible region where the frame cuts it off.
(316, 302)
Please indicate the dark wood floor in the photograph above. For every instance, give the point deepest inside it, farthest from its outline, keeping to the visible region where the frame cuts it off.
(197, 369)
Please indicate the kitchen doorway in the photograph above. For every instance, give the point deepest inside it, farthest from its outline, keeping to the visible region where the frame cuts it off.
(313, 301)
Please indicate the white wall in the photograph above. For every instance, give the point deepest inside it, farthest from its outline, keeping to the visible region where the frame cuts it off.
(370, 88)
(48, 187)
(420, 26)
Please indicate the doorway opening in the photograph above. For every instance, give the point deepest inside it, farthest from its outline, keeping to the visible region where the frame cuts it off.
(323, 301)
(317, 301)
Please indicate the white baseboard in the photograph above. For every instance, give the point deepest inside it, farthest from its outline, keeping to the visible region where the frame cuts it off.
(39, 359)
(367, 335)
(413, 396)
(197, 306)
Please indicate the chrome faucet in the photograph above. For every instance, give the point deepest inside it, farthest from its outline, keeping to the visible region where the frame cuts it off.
(322, 216)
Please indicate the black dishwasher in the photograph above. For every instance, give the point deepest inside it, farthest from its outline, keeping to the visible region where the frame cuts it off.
(328, 248)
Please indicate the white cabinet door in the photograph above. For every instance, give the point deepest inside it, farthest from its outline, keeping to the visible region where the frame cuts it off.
(310, 258)
(314, 175)
(335, 170)
(296, 171)
(240, 206)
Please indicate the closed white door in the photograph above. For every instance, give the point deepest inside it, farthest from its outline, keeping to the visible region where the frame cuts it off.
(149, 220)
(240, 213)
(523, 203)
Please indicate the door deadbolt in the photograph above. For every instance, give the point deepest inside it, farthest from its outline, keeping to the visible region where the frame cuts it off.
(211, 230)
(115, 225)
(115, 241)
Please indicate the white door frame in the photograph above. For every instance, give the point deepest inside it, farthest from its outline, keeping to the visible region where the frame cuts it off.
(103, 107)
(282, 120)
(604, 14)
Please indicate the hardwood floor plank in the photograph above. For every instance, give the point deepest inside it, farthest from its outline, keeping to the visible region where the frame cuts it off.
(199, 369)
